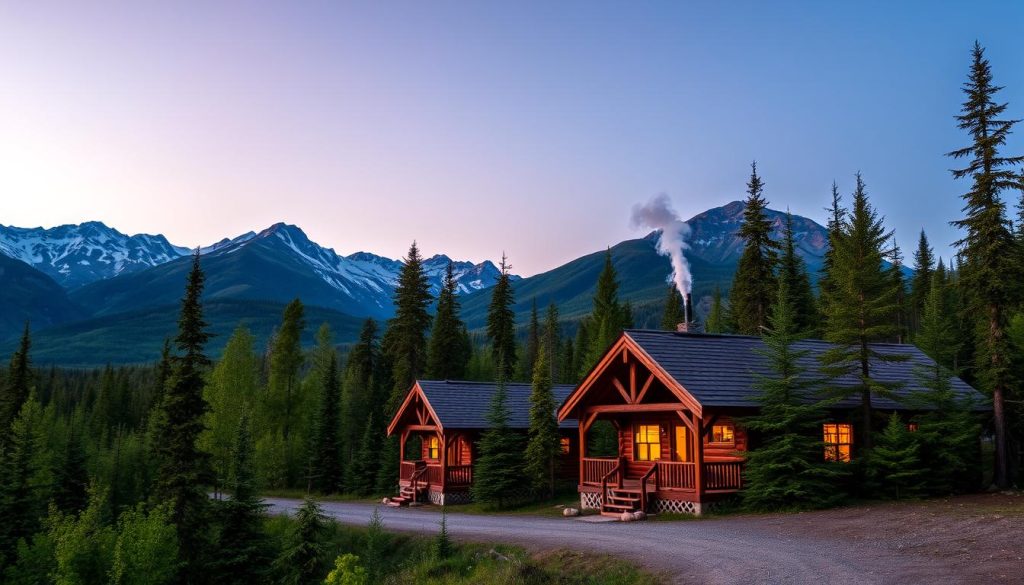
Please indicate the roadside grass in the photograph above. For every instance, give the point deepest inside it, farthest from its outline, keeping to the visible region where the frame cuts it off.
(298, 494)
(546, 507)
(410, 559)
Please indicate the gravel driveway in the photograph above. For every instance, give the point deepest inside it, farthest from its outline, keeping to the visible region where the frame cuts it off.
(742, 549)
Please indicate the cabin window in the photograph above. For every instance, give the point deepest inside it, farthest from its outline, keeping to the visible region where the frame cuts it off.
(648, 443)
(433, 448)
(722, 434)
(838, 441)
(912, 427)
(563, 445)
(682, 451)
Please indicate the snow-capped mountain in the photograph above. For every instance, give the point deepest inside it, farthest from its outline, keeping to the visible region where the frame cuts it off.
(75, 255)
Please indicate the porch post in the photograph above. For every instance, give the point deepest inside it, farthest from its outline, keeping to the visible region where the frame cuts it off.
(583, 446)
(401, 445)
(698, 456)
(444, 459)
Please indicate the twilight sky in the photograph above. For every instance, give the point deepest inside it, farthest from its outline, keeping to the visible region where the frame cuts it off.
(528, 127)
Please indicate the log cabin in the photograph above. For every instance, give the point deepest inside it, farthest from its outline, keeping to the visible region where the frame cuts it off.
(675, 398)
(448, 417)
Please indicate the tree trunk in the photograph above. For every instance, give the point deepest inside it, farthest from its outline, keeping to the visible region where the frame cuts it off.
(1001, 477)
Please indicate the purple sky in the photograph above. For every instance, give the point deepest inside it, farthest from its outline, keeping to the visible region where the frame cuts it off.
(529, 127)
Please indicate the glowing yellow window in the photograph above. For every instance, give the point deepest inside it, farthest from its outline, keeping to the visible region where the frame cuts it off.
(563, 445)
(722, 434)
(682, 452)
(433, 448)
(648, 443)
(838, 441)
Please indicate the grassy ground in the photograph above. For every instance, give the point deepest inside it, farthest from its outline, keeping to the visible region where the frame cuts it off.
(406, 559)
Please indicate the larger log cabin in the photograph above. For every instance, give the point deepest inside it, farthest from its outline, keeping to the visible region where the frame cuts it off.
(448, 417)
(675, 398)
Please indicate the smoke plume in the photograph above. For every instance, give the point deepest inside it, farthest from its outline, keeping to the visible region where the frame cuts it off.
(658, 214)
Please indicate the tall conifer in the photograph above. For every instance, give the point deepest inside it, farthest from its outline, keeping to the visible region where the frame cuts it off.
(793, 271)
(184, 469)
(552, 344)
(501, 324)
(543, 444)
(15, 389)
(717, 318)
(754, 282)
(920, 285)
(533, 336)
(498, 470)
(327, 446)
(989, 271)
(861, 307)
(406, 338)
(826, 283)
(286, 361)
(449, 349)
(674, 313)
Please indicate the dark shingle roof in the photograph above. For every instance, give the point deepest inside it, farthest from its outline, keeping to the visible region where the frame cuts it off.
(721, 370)
(463, 405)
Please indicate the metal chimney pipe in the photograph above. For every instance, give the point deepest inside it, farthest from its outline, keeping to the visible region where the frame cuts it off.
(688, 309)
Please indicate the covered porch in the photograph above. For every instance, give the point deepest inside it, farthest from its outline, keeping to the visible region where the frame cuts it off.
(441, 472)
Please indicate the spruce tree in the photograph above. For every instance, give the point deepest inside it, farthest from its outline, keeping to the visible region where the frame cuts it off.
(899, 291)
(23, 477)
(501, 324)
(717, 318)
(894, 466)
(787, 468)
(286, 361)
(498, 470)
(794, 272)
(754, 282)
(326, 454)
(543, 442)
(826, 283)
(607, 318)
(184, 470)
(552, 343)
(920, 285)
(443, 546)
(947, 430)
(71, 486)
(364, 470)
(303, 561)
(18, 383)
(533, 338)
(674, 313)
(449, 348)
(364, 397)
(861, 308)
(406, 339)
(989, 272)
(243, 550)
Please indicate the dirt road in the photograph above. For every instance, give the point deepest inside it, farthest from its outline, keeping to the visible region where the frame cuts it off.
(909, 543)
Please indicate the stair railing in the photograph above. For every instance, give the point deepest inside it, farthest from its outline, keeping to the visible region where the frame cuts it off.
(416, 483)
(653, 471)
(617, 470)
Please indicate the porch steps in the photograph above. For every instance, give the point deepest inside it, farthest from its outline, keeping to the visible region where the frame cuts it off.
(620, 501)
(405, 496)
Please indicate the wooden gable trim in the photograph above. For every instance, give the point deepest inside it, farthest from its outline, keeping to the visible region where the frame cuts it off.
(624, 346)
(424, 412)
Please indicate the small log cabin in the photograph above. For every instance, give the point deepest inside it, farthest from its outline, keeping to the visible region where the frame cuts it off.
(674, 398)
(449, 417)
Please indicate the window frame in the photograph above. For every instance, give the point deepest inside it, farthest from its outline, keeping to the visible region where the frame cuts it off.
(731, 432)
(564, 445)
(645, 428)
(684, 456)
(837, 451)
(434, 448)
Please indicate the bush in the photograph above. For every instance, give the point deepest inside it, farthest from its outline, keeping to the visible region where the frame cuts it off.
(347, 571)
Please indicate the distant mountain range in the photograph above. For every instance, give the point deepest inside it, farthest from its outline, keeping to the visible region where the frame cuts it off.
(97, 295)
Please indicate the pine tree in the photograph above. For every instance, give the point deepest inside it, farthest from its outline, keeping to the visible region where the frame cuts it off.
(674, 313)
(405, 341)
(499, 464)
(826, 284)
(717, 319)
(364, 398)
(449, 348)
(787, 468)
(183, 468)
(17, 385)
(543, 443)
(362, 478)
(303, 561)
(552, 343)
(376, 543)
(754, 282)
(920, 285)
(899, 287)
(233, 389)
(286, 361)
(532, 342)
(794, 272)
(327, 445)
(989, 270)
(243, 551)
(23, 477)
(71, 492)
(568, 367)
(861, 308)
(443, 546)
(947, 430)
(894, 466)
(607, 318)
(501, 320)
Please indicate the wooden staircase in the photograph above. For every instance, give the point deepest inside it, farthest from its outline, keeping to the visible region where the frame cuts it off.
(620, 500)
(407, 495)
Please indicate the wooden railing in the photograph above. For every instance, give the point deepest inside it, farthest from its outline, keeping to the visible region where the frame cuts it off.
(434, 474)
(723, 476)
(594, 468)
(459, 475)
(675, 475)
(416, 480)
(652, 472)
(407, 470)
(616, 474)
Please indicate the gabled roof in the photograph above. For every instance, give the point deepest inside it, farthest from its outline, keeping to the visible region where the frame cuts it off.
(464, 405)
(722, 370)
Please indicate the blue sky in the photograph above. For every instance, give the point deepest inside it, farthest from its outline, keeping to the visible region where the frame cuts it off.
(478, 128)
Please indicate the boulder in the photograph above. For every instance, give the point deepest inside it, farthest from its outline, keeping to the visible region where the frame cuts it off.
(568, 512)
(639, 515)
(626, 517)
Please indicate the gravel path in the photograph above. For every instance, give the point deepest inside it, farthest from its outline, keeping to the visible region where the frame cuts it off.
(744, 549)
